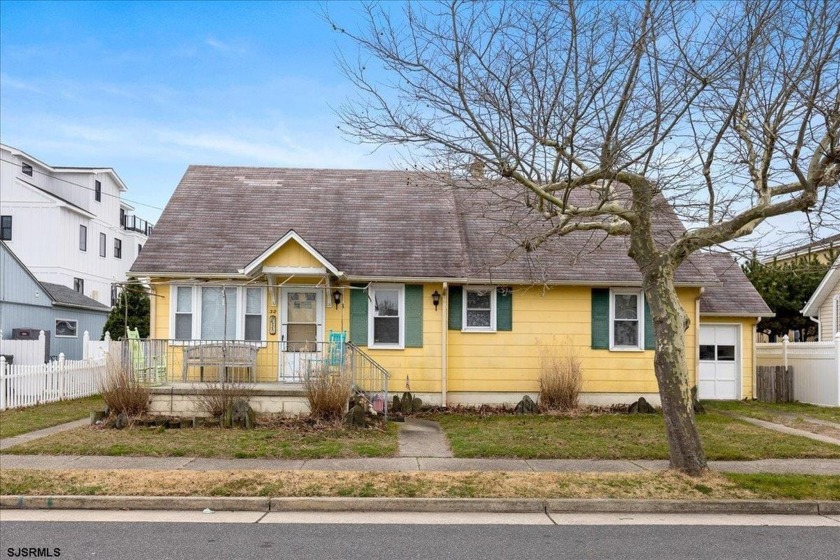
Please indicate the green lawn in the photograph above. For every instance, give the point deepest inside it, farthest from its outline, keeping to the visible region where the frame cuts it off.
(23, 420)
(616, 436)
(284, 443)
(769, 411)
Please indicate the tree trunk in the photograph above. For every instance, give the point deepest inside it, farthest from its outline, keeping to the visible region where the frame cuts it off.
(670, 323)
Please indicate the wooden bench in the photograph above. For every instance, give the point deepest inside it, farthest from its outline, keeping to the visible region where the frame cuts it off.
(221, 355)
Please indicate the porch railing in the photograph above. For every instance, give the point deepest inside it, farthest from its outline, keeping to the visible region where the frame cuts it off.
(159, 361)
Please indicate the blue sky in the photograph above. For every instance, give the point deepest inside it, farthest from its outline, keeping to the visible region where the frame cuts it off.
(149, 88)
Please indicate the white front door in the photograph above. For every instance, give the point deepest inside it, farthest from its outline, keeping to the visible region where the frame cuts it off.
(301, 331)
(720, 362)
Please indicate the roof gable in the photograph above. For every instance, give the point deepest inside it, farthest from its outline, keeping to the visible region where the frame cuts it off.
(829, 281)
(291, 254)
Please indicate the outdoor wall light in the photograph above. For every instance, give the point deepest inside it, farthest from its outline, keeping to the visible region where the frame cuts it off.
(337, 297)
(435, 299)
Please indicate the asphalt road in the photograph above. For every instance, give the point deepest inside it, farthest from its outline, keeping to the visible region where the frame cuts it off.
(205, 541)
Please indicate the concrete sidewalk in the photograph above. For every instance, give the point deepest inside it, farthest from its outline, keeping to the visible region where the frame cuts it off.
(403, 464)
(38, 434)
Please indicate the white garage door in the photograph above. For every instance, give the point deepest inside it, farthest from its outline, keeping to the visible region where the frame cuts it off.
(720, 362)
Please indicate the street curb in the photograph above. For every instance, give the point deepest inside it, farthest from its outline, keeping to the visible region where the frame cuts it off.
(422, 505)
(761, 507)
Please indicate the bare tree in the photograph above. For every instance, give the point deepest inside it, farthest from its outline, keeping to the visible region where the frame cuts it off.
(596, 113)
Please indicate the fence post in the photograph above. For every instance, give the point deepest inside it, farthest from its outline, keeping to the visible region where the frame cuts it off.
(61, 376)
(2, 383)
(785, 341)
(86, 346)
(837, 365)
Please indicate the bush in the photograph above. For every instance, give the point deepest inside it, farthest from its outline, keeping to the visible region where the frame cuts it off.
(328, 394)
(561, 377)
(121, 391)
(216, 399)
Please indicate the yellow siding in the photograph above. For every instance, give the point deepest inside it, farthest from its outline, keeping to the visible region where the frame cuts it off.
(292, 254)
(559, 317)
(747, 325)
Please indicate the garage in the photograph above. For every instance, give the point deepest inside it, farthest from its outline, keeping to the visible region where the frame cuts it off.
(720, 362)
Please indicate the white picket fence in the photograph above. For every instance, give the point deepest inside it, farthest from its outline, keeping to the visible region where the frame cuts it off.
(28, 385)
(816, 367)
(26, 352)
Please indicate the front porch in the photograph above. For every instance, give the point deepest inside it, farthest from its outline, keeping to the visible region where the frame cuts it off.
(272, 373)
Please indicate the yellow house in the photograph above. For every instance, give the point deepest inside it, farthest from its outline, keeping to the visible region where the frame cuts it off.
(426, 283)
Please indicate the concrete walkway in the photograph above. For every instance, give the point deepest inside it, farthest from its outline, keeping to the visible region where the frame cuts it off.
(23, 438)
(786, 429)
(402, 464)
(423, 438)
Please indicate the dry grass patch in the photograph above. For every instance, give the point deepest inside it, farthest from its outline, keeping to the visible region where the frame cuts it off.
(659, 485)
(22, 420)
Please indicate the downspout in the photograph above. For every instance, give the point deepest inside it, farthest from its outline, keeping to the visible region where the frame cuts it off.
(697, 336)
(444, 335)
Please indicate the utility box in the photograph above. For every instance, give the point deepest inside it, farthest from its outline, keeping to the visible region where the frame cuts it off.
(28, 333)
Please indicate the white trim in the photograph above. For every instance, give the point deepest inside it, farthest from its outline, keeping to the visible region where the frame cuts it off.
(492, 327)
(400, 310)
(812, 307)
(640, 313)
(291, 235)
(74, 321)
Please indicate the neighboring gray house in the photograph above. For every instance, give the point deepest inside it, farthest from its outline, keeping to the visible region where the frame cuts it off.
(27, 303)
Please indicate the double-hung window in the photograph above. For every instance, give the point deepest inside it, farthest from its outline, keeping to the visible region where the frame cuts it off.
(5, 228)
(626, 320)
(183, 312)
(386, 317)
(479, 309)
(82, 238)
(103, 245)
(97, 191)
(218, 313)
(117, 248)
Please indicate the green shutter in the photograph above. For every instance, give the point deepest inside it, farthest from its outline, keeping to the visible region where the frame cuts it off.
(650, 337)
(414, 316)
(504, 309)
(456, 302)
(600, 318)
(358, 315)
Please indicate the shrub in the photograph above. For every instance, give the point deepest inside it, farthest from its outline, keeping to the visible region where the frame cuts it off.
(216, 399)
(121, 391)
(328, 393)
(561, 377)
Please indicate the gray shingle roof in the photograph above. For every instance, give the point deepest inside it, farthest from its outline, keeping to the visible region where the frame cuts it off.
(736, 295)
(379, 224)
(62, 295)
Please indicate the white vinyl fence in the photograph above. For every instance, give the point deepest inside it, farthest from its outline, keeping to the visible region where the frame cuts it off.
(25, 352)
(27, 385)
(816, 368)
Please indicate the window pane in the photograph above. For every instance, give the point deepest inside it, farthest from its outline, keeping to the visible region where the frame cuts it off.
(478, 318)
(386, 330)
(65, 328)
(626, 306)
(386, 303)
(253, 299)
(218, 317)
(83, 238)
(478, 299)
(726, 353)
(103, 244)
(183, 326)
(626, 333)
(707, 351)
(301, 338)
(253, 327)
(184, 300)
(301, 307)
